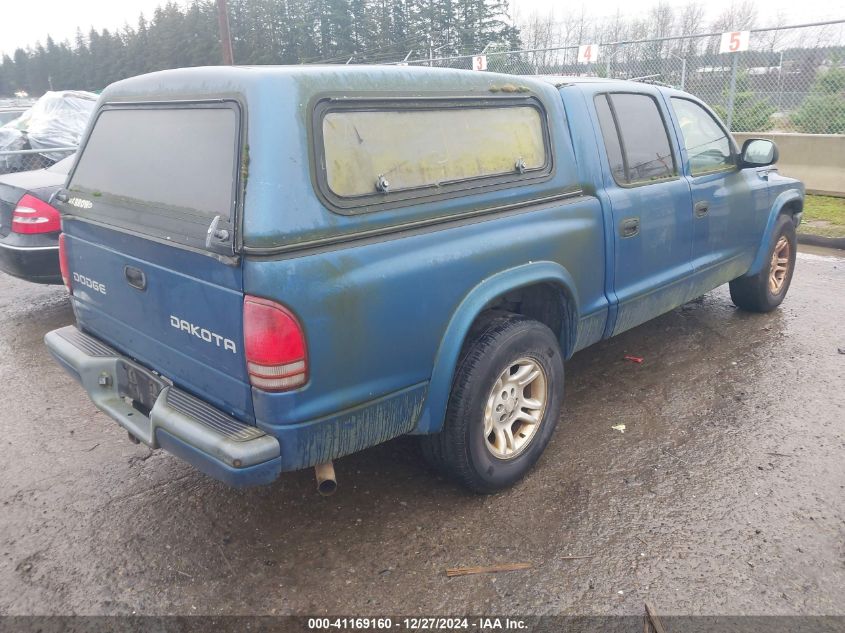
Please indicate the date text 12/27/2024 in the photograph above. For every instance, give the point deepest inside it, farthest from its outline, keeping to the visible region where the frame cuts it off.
(418, 623)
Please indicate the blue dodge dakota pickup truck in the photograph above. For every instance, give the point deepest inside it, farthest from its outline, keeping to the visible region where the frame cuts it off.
(273, 267)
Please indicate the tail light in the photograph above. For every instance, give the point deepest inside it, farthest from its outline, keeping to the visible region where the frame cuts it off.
(63, 263)
(35, 216)
(276, 357)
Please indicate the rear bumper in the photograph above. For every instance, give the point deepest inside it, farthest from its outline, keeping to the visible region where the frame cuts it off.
(210, 440)
(39, 264)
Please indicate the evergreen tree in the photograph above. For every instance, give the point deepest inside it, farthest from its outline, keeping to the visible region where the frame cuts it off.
(6, 80)
(750, 113)
(823, 111)
(82, 63)
(37, 72)
(263, 32)
(20, 70)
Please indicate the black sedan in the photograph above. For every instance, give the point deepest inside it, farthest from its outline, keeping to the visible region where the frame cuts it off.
(29, 225)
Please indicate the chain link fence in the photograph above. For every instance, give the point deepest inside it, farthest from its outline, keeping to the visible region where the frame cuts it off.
(28, 159)
(791, 79)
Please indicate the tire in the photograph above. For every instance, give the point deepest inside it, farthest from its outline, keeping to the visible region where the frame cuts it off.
(488, 463)
(766, 290)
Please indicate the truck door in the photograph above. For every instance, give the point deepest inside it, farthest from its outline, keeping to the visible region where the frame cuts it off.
(729, 205)
(650, 204)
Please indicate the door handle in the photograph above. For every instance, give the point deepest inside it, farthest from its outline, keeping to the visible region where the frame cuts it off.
(701, 208)
(629, 227)
(135, 277)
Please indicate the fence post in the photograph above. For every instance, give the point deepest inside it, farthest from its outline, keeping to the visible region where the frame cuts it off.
(732, 92)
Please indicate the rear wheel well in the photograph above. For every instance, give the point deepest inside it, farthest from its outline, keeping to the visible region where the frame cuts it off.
(548, 303)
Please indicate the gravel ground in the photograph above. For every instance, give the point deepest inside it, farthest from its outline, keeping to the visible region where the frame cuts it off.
(724, 495)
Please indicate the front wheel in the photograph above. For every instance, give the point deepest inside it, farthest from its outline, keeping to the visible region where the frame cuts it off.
(504, 406)
(766, 290)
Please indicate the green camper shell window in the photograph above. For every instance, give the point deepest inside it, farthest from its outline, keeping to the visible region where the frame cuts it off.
(388, 152)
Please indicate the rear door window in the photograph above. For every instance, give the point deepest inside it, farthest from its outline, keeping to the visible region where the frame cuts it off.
(611, 139)
(163, 170)
(634, 130)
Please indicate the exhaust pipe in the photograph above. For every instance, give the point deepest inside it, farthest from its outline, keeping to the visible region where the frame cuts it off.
(326, 482)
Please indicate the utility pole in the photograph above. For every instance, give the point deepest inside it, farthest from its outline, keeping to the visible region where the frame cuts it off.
(225, 37)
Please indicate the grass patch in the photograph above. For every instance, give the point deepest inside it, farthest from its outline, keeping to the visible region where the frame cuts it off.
(823, 215)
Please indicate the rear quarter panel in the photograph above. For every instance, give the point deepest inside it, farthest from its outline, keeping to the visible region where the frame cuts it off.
(376, 311)
(375, 314)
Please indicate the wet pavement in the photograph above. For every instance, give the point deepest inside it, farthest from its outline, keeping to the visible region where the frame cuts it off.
(725, 493)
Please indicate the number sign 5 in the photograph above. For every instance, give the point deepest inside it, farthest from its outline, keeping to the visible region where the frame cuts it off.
(734, 41)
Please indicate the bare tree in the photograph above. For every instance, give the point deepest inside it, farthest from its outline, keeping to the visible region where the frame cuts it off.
(771, 40)
(690, 22)
(538, 32)
(741, 15)
(661, 20)
(613, 29)
(574, 27)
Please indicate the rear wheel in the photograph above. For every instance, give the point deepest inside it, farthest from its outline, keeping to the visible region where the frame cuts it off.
(766, 290)
(504, 406)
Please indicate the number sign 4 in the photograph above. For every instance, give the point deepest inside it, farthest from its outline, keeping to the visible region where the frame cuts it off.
(588, 53)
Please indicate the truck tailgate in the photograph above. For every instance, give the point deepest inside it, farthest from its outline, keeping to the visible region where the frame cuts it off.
(149, 219)
(178, 312)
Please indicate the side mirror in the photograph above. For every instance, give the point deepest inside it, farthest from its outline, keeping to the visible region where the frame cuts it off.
(759, 152)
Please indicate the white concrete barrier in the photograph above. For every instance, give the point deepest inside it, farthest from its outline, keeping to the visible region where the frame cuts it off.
(816, 159)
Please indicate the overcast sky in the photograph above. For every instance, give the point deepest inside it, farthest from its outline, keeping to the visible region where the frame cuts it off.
(24, 22)
(768, 11)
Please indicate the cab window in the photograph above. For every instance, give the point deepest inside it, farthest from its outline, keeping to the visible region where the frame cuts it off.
(708, 147)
